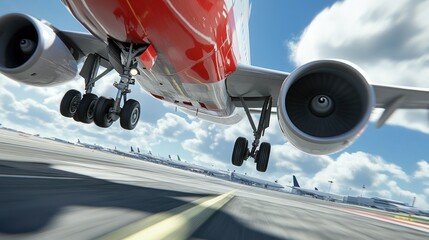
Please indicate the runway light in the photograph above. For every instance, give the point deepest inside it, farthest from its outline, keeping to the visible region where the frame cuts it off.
(134, 71)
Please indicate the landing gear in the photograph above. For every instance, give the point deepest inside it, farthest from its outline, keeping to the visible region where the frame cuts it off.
(261, 155)
(240, 152)
(104, 111)
(70, 103)
(102, 114)
(130, 114)
(86, 108)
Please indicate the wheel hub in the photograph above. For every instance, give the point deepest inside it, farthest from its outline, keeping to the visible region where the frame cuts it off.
(91, 108)
(135, 116)
(74, 104)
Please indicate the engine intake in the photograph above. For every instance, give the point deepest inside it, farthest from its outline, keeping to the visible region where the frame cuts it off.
(32, 53)
(324, 105)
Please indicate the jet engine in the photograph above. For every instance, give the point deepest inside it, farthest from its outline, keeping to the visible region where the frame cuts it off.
(324, 106)
(32, 53)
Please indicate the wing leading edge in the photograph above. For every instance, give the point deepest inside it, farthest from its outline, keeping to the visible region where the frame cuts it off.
(392, 98)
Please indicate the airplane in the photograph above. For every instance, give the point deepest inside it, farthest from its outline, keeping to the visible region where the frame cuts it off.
(88, 145)
(296, 189)
(209, 171)
(397, 206)
(195, 55)
(255, 181)
(56, 139)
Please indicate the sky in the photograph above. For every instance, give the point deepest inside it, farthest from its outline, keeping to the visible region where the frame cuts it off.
(388, 39)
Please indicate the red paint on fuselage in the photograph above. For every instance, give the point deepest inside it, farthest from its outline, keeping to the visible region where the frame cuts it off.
(148, 57)
(193, 37)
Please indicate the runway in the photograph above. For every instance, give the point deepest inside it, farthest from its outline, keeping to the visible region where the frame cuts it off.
(51, 190)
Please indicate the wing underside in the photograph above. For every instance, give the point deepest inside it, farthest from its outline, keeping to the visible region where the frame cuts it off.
(254, 83)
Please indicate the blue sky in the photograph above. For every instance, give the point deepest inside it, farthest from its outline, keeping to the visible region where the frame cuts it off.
(392, 161)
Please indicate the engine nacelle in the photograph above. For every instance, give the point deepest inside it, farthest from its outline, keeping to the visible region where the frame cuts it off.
(324, 106)
(32, 53)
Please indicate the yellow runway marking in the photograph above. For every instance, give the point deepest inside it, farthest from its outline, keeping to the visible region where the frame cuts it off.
(178, 223)
(403, 217)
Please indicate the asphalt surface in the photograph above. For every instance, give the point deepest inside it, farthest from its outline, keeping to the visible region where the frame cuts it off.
(51, 190)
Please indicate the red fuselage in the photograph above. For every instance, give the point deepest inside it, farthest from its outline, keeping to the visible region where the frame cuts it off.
(195, 44)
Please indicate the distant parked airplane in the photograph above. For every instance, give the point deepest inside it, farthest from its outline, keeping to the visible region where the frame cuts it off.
(296, 189)
(255, 181)
(87, 145)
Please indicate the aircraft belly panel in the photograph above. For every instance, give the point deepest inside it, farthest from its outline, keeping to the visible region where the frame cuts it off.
(207, 98)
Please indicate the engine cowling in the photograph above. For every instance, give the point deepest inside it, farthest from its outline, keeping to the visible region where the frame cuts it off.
(324, 106)
(32, 53)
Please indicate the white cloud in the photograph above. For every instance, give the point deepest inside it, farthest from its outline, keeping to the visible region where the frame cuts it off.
(423, 170)
(407, 196)
(291, 160)
(171, 126)
(230, 133)
(388, 39)
(357, 169)
(349, 173)
(202, 146)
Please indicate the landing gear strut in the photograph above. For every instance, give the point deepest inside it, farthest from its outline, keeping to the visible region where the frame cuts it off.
(241, 151)
(104, 111)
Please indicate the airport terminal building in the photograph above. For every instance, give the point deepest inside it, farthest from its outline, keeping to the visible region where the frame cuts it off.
(376, 202)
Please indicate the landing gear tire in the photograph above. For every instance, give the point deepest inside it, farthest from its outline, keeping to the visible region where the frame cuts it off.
(70, 103)
(239, 152)
(130, 114)
(102, 115)
(86, 109)
(263, 156)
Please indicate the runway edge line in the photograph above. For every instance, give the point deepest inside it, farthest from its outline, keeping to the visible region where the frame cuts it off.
(178, 223)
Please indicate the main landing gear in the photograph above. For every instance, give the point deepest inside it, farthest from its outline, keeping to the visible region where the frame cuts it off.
(241, 151)
(101, 110)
